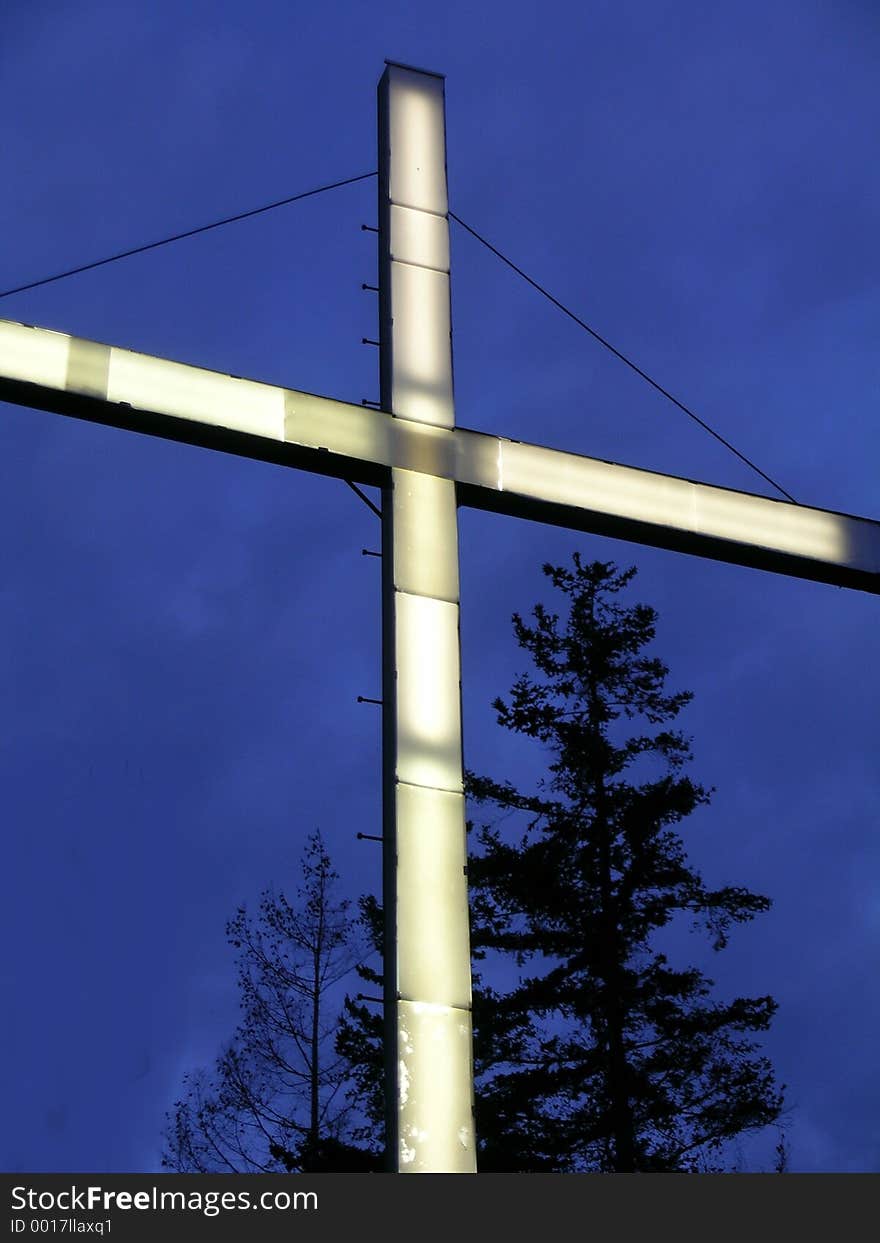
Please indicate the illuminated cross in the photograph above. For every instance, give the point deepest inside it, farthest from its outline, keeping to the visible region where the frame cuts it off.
(426, 467)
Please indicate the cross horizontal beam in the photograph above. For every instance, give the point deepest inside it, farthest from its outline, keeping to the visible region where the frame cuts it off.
(120, 388)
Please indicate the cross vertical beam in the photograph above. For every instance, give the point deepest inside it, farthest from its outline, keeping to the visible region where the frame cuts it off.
(427, 996)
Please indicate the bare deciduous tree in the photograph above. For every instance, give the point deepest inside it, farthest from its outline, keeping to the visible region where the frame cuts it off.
(277, 1098)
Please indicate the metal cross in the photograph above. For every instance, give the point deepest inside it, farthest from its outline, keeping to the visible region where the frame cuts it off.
(426, 468)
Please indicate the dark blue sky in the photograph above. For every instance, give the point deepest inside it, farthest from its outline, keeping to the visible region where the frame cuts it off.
(184, 635)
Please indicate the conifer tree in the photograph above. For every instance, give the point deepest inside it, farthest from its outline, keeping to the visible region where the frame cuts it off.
(603, 1055)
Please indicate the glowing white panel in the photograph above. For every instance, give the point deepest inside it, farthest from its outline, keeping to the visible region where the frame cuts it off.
(422, 349)
(191, 393)
(33, 355)
(424, 449)
(88, 368)
(434, 1082)
(417, 140)
(428, 692)
(663, 500)
(426, 536)
(343, 430)
(432, 906)
(565, 479)
(417, 237)
(769, 524)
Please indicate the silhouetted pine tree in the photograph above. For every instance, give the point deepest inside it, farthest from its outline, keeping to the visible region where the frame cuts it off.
(603, 1055)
